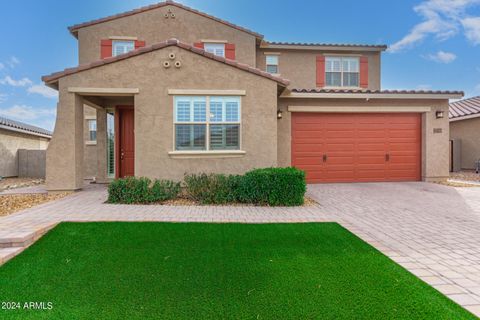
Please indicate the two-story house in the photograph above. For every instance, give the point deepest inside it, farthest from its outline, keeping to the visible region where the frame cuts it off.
(175, 90)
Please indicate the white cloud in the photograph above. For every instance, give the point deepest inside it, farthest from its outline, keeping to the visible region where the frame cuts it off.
(24, 112)
(442, 57)
(472, 29)
(13, 61)
(43, 90)
(442, 19)
(2, 66)
(16, 83)
(3, 97)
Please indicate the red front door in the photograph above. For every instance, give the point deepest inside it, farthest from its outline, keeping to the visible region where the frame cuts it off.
(126, 142)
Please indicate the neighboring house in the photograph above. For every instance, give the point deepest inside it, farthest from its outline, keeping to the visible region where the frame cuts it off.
(14, 136)
(465, 131)
(217, 99)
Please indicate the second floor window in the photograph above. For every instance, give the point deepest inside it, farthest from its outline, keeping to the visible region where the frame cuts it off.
(92, 130)
(342, 72)
(122, 47)
(272, 64)
(217, 49)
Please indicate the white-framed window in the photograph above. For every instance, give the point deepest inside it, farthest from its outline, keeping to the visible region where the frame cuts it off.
(207, 123)
(122, 46)
(217, 49)
(92, 130)
(271, 62)
(342, 71)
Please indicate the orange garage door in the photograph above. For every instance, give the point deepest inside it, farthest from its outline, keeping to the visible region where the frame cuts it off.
(357, 147)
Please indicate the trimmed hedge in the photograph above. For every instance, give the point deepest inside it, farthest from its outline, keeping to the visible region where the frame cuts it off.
(269, 186)
(273, 187)
(212, 188)
(141, 190)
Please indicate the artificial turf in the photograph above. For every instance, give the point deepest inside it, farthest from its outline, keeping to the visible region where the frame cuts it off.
(214, 271)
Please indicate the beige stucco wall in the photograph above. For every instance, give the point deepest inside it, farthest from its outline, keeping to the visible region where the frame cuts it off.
(300, 66)
(90, 152)
(468, 132)
(10, 142)
(435, 146)
(152, 27)
(154, 115)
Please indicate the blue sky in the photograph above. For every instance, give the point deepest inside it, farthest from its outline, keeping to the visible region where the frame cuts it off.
(435, 44)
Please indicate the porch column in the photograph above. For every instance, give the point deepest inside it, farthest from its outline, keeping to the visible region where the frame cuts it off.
(102, 145)
(64, 171)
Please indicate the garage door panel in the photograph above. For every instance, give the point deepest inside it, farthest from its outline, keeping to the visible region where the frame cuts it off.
(371, 146)
(346, 147)
(357, 146)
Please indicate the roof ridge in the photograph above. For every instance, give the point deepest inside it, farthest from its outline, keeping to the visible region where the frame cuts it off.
(75, 27)
(160, 45)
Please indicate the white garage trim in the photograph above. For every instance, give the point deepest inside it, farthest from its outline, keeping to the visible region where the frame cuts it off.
(353, 109)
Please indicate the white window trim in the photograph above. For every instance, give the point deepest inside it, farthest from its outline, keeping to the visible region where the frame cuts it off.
(277, 65)
(215, 46)
(207, 151)
(341, 57)
(117, 41)
(89, 141)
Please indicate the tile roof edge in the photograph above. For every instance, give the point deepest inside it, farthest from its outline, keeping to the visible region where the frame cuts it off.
(156, 46)
(75, 27)
(27, 128)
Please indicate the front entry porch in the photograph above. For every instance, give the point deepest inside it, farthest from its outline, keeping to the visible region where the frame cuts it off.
(115, 139)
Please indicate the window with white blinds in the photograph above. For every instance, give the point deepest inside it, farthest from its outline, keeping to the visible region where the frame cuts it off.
(217, 49)
(342, 71)
(122, 47)
(92, 130)
(207, 123)
(272, 64)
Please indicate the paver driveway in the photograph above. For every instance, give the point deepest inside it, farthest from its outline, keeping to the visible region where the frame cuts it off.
(432, 230)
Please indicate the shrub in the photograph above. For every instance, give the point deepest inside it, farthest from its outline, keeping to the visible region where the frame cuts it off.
(273, 186)
(141, 190)
(162, 190)
(212, 188)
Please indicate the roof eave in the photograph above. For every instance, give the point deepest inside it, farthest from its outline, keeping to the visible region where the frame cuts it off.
(368, 96)
(466, 117)
(52, 79)
(19, 130)
(324, 47)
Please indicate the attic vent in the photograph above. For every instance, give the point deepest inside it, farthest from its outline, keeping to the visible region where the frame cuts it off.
(169, 14)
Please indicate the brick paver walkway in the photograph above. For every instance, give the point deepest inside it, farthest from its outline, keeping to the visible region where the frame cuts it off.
(431, 230)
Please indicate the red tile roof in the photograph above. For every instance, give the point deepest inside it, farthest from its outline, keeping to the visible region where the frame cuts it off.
(375, 91)
(381, 46)
(172, 42)
(465, 108)
(73, 29)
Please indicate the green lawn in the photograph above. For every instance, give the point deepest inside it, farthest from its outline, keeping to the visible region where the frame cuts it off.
(214, 271)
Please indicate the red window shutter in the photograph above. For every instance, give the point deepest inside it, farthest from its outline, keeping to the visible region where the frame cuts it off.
(199, 45)
(230, 51)
(139, 44)
(320, 71)
(105, 49)
(364, 72)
